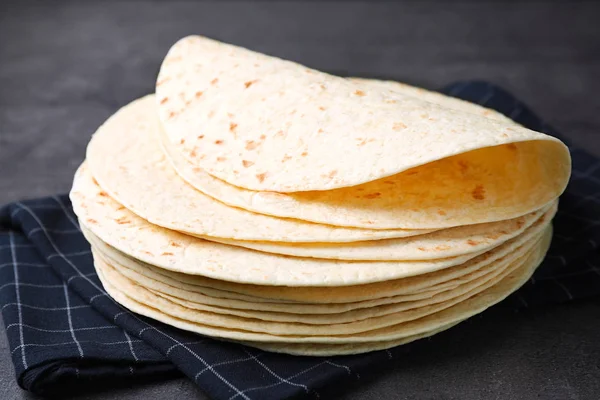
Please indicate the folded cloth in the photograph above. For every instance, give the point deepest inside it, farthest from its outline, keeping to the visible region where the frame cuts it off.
(65, 333)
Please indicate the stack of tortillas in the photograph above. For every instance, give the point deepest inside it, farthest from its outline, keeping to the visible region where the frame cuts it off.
(255, 200)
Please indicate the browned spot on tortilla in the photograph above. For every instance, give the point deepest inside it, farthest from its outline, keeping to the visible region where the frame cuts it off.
(198, 94)
(504, 232)
(182, 141)
(211, 114)
(359, 93)
(262, 137)
(478, 193)
(510, 129)
(364, 141)
(372, 195)
(389, 182)
(520, 223)
(441, 212)
(172, 114)
(122, 220)
(147, 252)
(167, 253)
(120, 208)
(487, 112)
(279, 133)
(251, 145)
(398, 126)
(304, 154)
(200, 136)
(512, 146)
(292, 112)
(320, 130)
(219, 141)
(101, 202)
(103, 194)
(214, 81)
(322, 108)
(422, 248)
(492, 236)
(249, 83)
(261, 177)
(442, 247)
(332, 173)
(463, 166)
(285, 158)
(92, 221)
(232, 126)
(413, 172)
(322, 86)
(389, 101)
(221, 159)
(193, 153)
(197, 169)
(472, 242)
(174, 244)
(504, 135)
(162, 81)
(95, 181)
(360, 189)
(164, 100)
(247, 163)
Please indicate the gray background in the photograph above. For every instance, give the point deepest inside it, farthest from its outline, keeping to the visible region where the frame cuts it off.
(66, 66)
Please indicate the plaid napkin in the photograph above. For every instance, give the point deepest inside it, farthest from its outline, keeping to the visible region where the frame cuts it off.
(64, 331)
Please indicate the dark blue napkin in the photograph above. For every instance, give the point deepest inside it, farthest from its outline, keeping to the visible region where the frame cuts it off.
(65, 334)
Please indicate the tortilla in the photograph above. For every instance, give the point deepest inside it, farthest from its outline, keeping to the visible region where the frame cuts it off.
(129, 166)
(121, 229)
(188, 299)
(141, 301)
(264, 124)
(340, 299)
(444, 243)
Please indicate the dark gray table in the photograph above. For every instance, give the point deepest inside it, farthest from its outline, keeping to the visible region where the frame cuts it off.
(66, 66)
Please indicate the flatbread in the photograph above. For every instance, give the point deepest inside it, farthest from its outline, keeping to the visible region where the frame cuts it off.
(470, 304)
(272, 125)
(325, 350)
(130, 167)
(451, 242)
(190, 300)
(250, 297)
(121, 229)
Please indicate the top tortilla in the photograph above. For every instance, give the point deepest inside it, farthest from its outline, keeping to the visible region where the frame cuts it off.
(266, 124)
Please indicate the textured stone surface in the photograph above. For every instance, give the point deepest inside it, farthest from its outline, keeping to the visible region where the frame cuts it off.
(66, 66)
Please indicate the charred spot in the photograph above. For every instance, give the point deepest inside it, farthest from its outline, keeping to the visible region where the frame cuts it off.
(261, 177)
(247, 163)
(167, 253)
(198, 94)
(472, 242)
(478, 193)
(372, 195)
(251, 145)
(250, 83)
(359, 93)
(214, 81)
(232, 126)
(398, 126)
(164, 100)
(219, 141)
